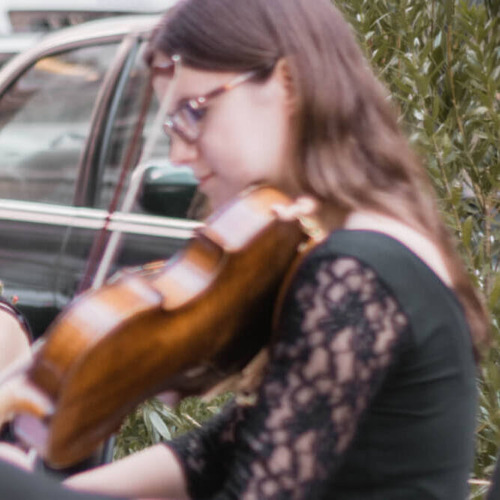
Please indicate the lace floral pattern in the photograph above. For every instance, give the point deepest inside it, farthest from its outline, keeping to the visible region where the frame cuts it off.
(341, 327)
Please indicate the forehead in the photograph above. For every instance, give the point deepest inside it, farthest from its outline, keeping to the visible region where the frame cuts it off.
(189, 82)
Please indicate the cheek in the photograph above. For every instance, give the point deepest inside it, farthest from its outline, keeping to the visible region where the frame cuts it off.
(247, 144)
(246, 155)
(267, 152)
(230, 146)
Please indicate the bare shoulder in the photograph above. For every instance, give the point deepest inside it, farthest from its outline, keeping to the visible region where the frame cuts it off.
(14, 343)
(418, 243)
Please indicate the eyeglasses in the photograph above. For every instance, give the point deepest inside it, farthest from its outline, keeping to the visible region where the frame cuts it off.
(186, 120)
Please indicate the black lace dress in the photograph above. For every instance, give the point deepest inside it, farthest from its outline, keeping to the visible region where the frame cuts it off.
(370, 393)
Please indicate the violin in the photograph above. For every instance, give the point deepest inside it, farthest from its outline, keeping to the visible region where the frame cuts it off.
(183, 324)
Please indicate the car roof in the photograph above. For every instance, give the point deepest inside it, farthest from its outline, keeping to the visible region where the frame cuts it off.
(65, 38)
(87, 5)
(91, 31)
(119, 25)
(50, 15)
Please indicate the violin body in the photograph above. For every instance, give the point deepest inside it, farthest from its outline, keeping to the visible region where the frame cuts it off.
(191, 322)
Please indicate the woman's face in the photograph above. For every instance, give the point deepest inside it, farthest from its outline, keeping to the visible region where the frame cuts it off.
(245, 133)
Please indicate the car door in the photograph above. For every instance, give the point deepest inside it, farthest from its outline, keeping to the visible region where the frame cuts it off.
(142, 233)
(47, 118)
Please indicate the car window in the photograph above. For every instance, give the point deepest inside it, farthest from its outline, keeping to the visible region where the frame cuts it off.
(45, 119)
(174, 187)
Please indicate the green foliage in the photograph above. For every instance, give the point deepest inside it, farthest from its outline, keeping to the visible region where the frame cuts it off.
(153, 422)
(441, 62)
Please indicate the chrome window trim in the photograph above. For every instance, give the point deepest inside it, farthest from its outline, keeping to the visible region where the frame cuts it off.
(95, 219)
(86, 174)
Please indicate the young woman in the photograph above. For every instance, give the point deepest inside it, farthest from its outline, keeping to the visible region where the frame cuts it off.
(369, 391)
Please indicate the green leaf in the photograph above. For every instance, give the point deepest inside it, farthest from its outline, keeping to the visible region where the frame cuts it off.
(438, 40)
(159, 425)
(467, 231)
(494, 299)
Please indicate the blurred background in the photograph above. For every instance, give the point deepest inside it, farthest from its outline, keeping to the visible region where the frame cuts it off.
(21, 16)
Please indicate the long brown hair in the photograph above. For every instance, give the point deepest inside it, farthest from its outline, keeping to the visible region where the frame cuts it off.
(352, 152)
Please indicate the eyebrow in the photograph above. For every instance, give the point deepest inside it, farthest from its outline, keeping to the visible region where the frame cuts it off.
(166, 69)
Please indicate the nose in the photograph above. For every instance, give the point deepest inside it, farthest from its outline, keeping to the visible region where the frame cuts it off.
(182, 152)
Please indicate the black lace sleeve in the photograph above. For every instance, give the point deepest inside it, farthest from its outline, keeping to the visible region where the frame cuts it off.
(340, 329)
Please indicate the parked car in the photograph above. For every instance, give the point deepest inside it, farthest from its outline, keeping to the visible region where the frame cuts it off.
(48, 15)
(69, 107)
